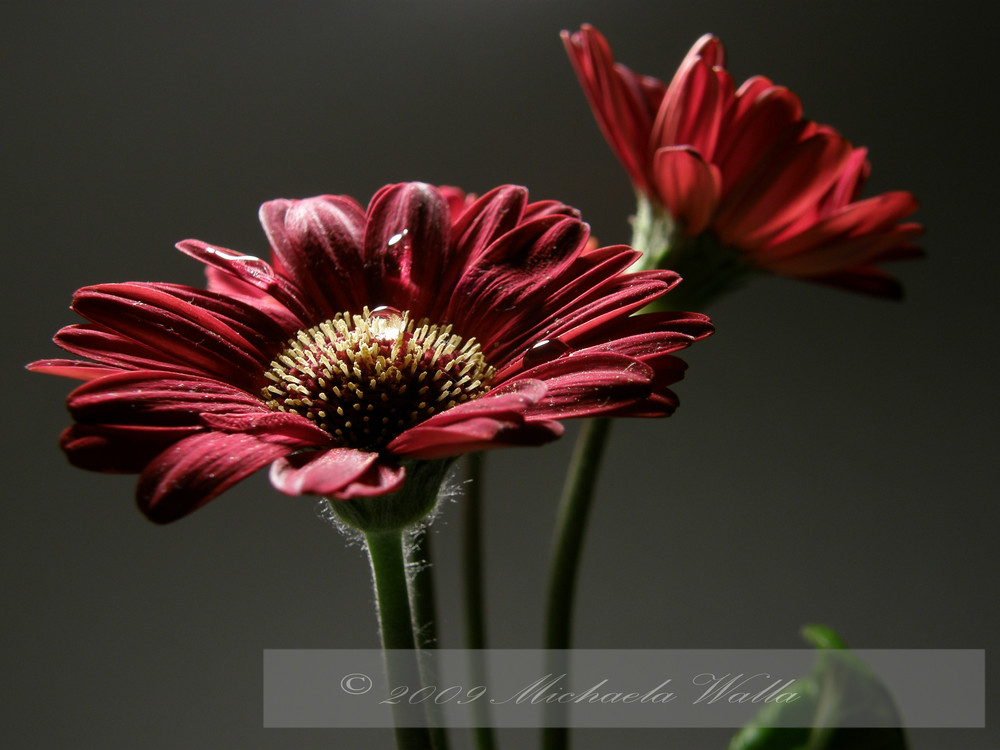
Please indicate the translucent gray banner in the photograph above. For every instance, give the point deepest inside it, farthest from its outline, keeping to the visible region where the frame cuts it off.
(625, 688)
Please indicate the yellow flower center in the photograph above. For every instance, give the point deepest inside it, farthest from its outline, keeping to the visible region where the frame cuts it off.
(366, 378)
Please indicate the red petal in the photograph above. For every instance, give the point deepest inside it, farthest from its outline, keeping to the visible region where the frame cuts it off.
(380, 479)
(581, 385)
(845, 253)
(688, 187)
(72, 368)
(752, 93)
(161, 321)
(247, 320)
(457, 199)
(509, 283)
(197, 469)
(662, 401)
(851, 181)
(249, 270)
(424, 442)
(619, 298)
(486, 220)
(407, 246)
(508, 401)
(785, 185)
(584, 280)
(642, 345)
(642, 335)
(497, 416)
(110, 348)
(692, 110)
(709, 48)
(330, 473)
(749, 137)
(119, 449)
(276, 427)
(538, 209)
(156, 398)
(877, 214)
(221, 282)
(622, 102)
(317, 241)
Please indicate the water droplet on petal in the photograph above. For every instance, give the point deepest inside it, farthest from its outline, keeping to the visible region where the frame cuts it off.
(230, 255)
(545, 351)
(397, 237)
(385, 312)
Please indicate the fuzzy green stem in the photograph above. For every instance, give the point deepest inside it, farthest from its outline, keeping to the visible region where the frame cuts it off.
(472, 585)
(385, 550)
(425, 632)
(424, 596)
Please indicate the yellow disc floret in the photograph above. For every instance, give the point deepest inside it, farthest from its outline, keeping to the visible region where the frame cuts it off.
(367, 378)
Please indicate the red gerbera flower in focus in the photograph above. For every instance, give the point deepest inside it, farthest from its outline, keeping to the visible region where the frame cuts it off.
(743, 166)
(425, 327)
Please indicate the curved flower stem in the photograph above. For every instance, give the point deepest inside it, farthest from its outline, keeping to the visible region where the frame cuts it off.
(472, 585)
(571, 523)
(653, 234)
(425, 632)
(385, 550)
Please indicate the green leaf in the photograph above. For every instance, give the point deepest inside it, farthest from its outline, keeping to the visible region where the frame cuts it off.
(840, 687)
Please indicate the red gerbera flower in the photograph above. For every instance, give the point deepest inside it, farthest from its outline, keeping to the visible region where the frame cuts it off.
(743, 165)
(427, 327)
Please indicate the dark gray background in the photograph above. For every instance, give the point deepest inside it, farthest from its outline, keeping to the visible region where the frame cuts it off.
(832, 460)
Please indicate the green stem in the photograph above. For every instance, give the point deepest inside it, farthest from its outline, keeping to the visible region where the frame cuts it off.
(653, 234)
(571, 523)
(424, 597)
(385, 550)
(425, 631)
(472, 585)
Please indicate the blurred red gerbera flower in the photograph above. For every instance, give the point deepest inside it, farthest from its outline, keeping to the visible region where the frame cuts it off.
(744, 166)
(428, 326)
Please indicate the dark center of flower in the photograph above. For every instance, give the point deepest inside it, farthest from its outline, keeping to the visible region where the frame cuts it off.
(367, 378)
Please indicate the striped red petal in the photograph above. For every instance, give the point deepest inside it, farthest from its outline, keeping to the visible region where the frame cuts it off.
(157, 398)
(588, 384)
(197, 469)
(317, 243)
(407, 246)
(688, 186)
(119, 448)
(184, 331)
(338, 473)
